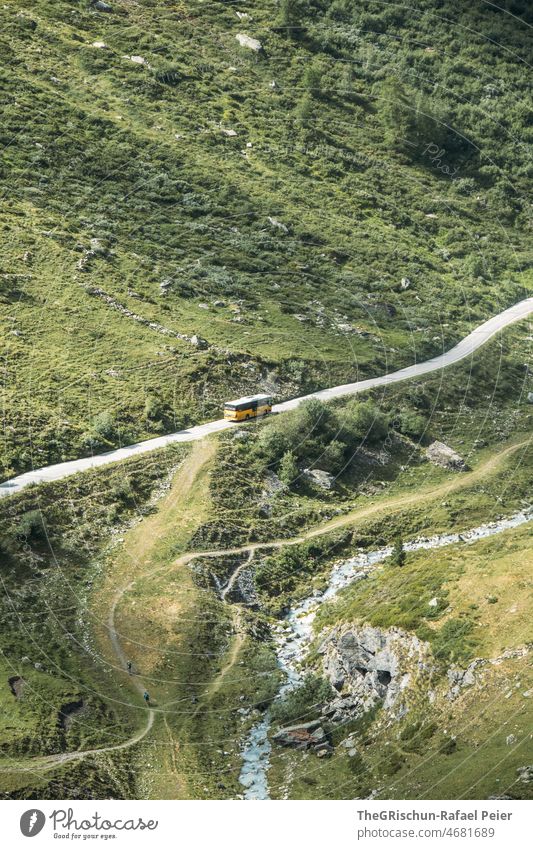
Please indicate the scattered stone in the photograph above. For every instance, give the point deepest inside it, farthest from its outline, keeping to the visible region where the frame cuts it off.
(38, 666)
(460, 678)
(433, 602)
(139, 60)
(230, 133)
(251, 43)
(96, 291)
(16, 685)
(199, 342)
(510, 740)
(442, 455)
(26, 659)
(404, 283)
(530, 397)
(102, 7)
(525, 774)
(320, 478)
(278, 224)
(98, 247)
(101, 45)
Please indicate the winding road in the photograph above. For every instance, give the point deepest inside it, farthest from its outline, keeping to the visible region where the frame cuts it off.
(461, 351)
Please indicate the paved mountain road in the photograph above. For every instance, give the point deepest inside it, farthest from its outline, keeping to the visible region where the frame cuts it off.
(463, 349)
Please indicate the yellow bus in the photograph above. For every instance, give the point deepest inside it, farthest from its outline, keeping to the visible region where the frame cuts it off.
(247, 408)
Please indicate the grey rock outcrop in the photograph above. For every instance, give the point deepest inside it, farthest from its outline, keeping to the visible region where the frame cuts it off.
(458, 679)
(249, 42)
(442, 455)
(271, 487)
(242, 590)
(199, 342)
(525, 774)
(320, 478)
(307, 735)
(367, 665)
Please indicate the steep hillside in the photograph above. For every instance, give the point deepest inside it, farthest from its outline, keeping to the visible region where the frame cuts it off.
(315, 189)
(192, 582)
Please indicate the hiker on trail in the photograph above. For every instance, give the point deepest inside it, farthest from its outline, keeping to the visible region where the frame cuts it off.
(129, 665)
(146, 696)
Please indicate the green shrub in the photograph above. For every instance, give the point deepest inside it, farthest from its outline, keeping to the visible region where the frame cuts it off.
(302, 704)
(363, 420)
(452, 643)
(398, 552)
(31, 527)
(288, 468)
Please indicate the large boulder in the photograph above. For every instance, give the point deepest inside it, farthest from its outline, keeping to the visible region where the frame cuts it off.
(249, 42)
(320, 478)
(307, 735)
(442, 455)
(199, 342)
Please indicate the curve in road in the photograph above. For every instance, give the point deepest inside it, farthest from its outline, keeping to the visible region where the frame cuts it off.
(463, 349)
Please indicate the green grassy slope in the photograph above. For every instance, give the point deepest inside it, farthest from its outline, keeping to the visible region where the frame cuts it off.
(471, 747)
(54, 542)
(209, 665)
(280, 197)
